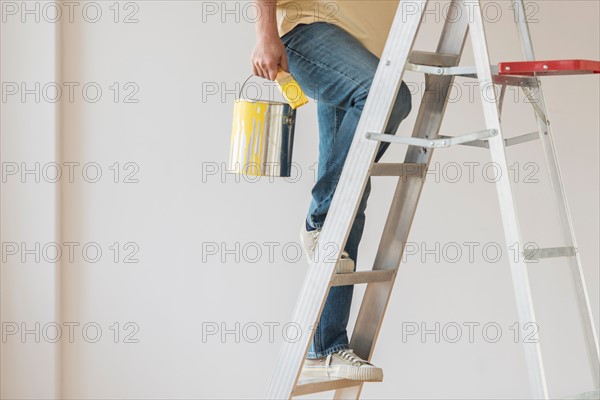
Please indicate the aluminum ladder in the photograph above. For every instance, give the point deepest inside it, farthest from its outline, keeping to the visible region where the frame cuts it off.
(440, 68)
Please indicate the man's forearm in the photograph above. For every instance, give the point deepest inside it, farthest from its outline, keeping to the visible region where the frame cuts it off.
(266, 26)
(269, 53)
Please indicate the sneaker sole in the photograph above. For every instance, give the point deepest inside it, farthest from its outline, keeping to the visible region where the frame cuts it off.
(351, 373)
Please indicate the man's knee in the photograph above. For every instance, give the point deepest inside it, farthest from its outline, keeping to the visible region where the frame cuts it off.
(360, 99)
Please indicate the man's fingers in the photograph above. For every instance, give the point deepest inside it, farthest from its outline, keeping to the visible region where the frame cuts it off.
(258, 70)
(264, 72)
(284, 64)
(270, 70)
(272, 73)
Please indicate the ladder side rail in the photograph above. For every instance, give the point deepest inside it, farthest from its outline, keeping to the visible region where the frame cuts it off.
(347, 196)
(404, 202)
(508, 209)
(566, 221)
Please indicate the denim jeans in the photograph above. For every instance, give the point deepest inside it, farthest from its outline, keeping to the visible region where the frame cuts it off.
(336, 70)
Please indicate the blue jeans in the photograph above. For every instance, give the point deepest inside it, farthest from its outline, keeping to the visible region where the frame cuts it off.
(336, 70)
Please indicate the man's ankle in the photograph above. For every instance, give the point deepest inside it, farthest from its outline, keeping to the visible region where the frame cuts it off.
(309, 228)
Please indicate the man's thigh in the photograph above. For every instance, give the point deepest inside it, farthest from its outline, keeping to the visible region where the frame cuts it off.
(330, 65)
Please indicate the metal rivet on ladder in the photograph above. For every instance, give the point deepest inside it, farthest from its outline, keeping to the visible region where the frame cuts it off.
(507, 68)
(388, 62)
(545, 67)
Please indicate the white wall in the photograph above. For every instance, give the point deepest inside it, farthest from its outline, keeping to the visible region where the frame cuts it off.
(28, 210)
(171, 139)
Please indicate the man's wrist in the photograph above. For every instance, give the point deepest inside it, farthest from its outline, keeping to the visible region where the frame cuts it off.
(267, 35)
(266, 26)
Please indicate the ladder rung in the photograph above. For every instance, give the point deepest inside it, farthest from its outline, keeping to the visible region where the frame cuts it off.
(593, 395)
(548, 252)
(432, 58)
(384, 275)
(310, 386)
(397, 169)
(527, 137)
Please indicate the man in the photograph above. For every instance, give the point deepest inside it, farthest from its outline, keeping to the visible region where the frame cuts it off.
(332, 48)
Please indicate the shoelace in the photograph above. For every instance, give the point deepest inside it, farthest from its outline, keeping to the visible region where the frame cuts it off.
(315, 235)
(347, 355)
(350, 356)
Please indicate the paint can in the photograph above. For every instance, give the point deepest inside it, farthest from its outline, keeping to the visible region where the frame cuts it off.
(262, 138)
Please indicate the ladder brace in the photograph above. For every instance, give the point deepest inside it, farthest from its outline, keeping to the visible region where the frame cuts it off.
(447, 141)
(466, 71)
(526, 137)
(471, 72)
(534, 102)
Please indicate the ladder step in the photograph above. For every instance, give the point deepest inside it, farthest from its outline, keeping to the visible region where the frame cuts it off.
(354, 278)
(549, 252)
(309, 386)
(432, 58)
(397, 169)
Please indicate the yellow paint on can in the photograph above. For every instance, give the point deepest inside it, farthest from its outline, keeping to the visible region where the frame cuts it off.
(247, 137)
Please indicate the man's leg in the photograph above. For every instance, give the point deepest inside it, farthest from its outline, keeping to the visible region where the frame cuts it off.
(335, 69)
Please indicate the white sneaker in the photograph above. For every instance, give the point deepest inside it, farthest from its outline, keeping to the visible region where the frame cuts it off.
(343, 364)
(309, 242)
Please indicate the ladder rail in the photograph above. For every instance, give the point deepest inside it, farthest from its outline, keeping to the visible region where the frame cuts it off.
(506, 199)
(359, 167)
(566, 221)
(404, 202)
(346, 199)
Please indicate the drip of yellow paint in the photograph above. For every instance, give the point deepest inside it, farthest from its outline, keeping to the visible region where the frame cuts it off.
(247, 137)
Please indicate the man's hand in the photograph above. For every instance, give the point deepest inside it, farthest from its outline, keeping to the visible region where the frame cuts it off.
(268, 55)
(269, 52)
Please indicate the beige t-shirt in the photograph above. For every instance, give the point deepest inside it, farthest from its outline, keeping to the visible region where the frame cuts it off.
(367, 20)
